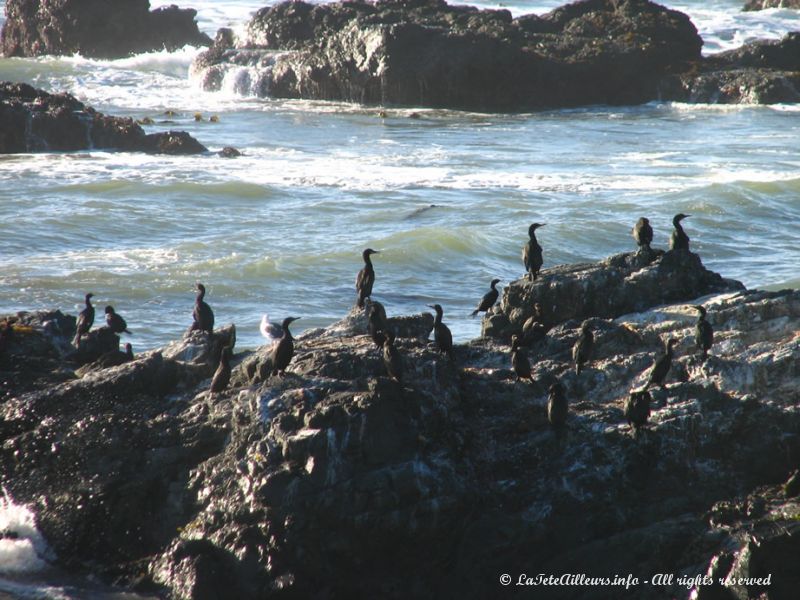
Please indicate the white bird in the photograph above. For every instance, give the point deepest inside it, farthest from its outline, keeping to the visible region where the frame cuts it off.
(272, 331)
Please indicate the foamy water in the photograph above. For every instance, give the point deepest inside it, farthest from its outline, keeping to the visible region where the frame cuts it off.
(281, 229)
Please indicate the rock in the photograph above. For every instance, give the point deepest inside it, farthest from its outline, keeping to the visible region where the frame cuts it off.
(229, 152)
(621, 284)
(89, 28)
(752, 5)
(428, 53)
(337, 481)
(761, 72)
(33, 120)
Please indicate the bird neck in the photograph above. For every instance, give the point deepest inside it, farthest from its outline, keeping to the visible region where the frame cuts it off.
(200, 295)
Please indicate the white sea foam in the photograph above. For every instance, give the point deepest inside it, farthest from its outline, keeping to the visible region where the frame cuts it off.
(23, 549)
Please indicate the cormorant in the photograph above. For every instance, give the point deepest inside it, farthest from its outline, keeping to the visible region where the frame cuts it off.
(489, 298)
(660, 368)
(392, 358)
(202, 314)
(637, 408)
(533, 330)
(532, 253)
(377, 326)
(582, 350)
(116, 323)
(85, 320)
(222, 376)
(366, 277)
(643, 233)
(441, 333)
(703, 332)
(271, 331)
(115, 358)
(284, 349)
(557, 406)
(519, 360)
(679, 240)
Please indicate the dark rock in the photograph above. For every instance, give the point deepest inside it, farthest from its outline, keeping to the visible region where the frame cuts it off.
(428, 53)
(229, 152)
(752, 5)
(33, 120)
(621, 284)
(761, 72)
(91, 29)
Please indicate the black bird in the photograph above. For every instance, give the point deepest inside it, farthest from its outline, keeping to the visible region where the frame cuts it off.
(532, 253)
(582, 350)
(284, 350)
(679, 240)
(703, 332)
(519, 360)
(222, 376)
(392, 358)
(643, 233)
(202, 314)
(489, 298)
(557, 406)
(85, 320)
(533, 330)
(660, 368)
(637, 408)
(377, 324)
(366, 277)
(441, 333)
(116, 323)
(115, 358)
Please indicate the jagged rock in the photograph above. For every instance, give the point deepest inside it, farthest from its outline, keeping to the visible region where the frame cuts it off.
(751, 5)
(761, 72)
(337, 481)
(622, 283)
(428, 53)
(91, 29)
(33, 120)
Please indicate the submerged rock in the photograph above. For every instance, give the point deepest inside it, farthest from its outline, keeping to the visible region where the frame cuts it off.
(92, 29)
(429, 53)
(337, 481)
(33, 120)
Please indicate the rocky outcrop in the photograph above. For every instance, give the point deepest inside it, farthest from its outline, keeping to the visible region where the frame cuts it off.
(93, 29)
(751, 5)
(33, 120)
(761, 72)
(428, 53)
(337, 481)
(619, 285)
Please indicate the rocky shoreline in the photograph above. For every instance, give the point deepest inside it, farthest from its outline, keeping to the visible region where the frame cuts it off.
(337, 481)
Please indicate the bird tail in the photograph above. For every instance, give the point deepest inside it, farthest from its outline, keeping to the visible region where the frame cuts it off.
(474, 312)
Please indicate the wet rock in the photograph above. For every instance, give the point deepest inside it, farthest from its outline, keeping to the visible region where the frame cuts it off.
(429, 53)
(89, 28)
(33, 120)
(620, 284)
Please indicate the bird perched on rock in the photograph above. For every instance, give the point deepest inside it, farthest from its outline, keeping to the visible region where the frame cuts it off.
(660, 369)
(519, 360)
(532, 253)
(271, 331)
(557, 406)
(222, 376)
(679, 240)
(441, 332)
(366, 277)
(114, 358)
(489, 298)
(637, 408)
(114, 322)
(703, 332)
(85, 320)
(202, 314)
(582, 350)
(643, 233)
(284, 350)
(533, 330)
(377, 324)
(392, 359)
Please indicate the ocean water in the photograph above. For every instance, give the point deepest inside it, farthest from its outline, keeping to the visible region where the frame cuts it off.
(447, 199)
